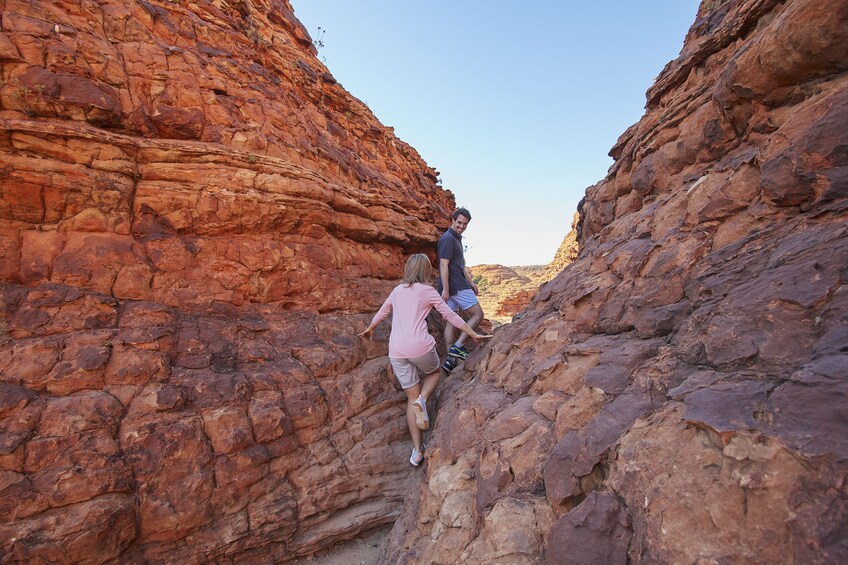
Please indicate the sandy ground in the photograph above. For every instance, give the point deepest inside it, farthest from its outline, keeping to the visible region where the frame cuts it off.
(360, 551)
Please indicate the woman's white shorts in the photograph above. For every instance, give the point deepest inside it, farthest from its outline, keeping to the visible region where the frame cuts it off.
(407, 370)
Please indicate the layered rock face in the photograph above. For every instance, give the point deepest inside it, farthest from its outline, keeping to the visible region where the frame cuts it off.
(195, 220)
(677, 394)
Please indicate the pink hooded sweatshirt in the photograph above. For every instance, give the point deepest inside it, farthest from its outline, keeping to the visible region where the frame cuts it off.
(409, 306)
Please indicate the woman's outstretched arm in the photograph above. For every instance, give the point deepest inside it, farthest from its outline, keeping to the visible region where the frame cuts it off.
(381, 314)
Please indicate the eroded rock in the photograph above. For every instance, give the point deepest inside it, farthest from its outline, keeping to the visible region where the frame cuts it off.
(195, 221)
(685, 374)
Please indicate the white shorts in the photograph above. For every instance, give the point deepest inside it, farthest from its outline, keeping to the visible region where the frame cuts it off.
(407, 370)
(462, 300)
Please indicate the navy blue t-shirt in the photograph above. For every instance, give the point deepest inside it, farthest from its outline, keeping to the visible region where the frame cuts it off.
(450, 247)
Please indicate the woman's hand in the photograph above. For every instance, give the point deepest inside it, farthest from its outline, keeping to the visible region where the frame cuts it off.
(367, 332)
(475, 335)
(470, 332)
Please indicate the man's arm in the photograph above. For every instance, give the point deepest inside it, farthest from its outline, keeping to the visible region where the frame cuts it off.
(444, 275)
(468, 277)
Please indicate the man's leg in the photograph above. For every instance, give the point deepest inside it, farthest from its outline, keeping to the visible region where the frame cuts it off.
(475, 317)
(450, 335)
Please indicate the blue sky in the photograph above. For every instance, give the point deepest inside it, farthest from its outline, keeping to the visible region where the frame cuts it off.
(516, 105)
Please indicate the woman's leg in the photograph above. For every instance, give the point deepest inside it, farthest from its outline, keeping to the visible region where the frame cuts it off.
(412, 394)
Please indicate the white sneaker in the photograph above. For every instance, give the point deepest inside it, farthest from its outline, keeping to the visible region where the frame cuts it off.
(417, 457)
(422, 420)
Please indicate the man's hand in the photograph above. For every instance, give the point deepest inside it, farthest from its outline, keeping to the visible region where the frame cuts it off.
(446, 295)
(474, 288)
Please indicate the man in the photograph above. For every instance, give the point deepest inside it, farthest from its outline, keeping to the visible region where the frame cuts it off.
(456, 286)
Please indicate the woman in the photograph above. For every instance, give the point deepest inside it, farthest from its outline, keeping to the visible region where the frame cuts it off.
(412, 350)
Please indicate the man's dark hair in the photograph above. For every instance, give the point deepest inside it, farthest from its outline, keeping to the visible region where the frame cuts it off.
(461, 212)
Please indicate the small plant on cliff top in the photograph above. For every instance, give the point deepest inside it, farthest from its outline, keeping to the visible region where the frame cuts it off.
(318, 42)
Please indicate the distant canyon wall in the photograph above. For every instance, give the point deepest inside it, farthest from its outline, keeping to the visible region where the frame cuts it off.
(195, 220)
(676, 394)
(506, 291)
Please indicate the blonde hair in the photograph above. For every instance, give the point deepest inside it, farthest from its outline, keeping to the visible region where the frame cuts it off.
(418, 269)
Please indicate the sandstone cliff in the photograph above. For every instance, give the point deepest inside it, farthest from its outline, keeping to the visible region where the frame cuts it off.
(194, 220)
(678, 393)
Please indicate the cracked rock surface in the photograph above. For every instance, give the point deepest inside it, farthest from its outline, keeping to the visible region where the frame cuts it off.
(678, 393)
(195, 222)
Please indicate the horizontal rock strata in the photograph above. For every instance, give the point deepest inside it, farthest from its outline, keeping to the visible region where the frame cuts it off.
(195, 221)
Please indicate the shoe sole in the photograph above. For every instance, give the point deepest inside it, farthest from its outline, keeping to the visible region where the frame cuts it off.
(457, 356)
(420, 421)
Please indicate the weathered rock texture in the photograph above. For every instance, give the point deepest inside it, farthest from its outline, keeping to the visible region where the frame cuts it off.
(677, 394)
(195, 219)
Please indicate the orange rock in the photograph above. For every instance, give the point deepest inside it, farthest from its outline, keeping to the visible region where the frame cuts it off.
(178, 203)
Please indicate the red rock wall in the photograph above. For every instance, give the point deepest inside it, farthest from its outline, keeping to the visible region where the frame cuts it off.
(195, 218)
(677, 394)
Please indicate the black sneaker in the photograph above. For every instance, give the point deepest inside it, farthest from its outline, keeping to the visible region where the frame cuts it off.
(459, 352)
(449, 365)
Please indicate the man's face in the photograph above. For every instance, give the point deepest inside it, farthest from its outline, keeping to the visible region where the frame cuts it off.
(459, 224)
